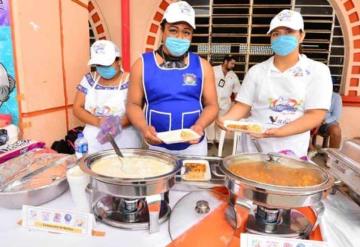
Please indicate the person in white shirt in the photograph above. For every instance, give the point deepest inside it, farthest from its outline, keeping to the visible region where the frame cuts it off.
(227, 85)
(289, 93)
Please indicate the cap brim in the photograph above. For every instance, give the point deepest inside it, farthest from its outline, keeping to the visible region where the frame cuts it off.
(103, 62)
(174, 20)
(288, 26)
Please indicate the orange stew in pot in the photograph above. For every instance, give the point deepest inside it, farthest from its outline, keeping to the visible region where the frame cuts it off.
(274, 173)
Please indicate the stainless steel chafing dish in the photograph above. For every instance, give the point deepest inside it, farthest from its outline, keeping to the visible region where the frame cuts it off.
(344, 164)
(131, 203)
(273, 195)
(274, 207)
(131, 187)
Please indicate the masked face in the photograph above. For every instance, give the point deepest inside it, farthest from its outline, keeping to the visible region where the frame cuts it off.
(109, 72)
(106, 72)
(177, 38)
(284, 41)
(284, 45)
(177, 47)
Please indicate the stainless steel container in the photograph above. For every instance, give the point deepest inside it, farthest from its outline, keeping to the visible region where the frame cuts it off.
(131, 187)
(344, 164)
(274, 196)
(131, 203)
(13, 197)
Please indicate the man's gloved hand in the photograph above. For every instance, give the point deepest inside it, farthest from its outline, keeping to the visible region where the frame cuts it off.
(111, 125)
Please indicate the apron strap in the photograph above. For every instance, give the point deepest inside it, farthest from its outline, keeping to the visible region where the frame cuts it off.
(124, 78)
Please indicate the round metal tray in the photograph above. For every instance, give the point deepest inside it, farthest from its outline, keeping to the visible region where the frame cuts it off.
(35, 197)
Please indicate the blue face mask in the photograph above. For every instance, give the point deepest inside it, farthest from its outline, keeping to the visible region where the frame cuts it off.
(177, 47)
(284, 45)
(106, 72)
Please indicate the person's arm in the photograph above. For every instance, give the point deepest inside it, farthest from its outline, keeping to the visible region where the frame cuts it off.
(209, 99)
(236, 87)
(82, 114)
(135, 103)
(124, 121)
(243, 101)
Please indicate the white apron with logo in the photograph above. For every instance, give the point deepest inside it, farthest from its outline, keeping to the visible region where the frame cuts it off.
(280, 100)
(109, 101)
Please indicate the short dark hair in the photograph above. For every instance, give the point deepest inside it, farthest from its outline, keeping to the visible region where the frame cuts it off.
(228, 58)
(162, 25)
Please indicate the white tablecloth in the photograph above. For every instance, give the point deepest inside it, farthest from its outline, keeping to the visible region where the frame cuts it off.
(13, 235)
(340, 227)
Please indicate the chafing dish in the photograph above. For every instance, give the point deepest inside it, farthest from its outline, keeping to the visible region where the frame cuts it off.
(131, 203)
(276, 205)
(344, 164)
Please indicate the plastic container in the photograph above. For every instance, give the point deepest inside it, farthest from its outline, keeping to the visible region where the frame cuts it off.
(81, 146)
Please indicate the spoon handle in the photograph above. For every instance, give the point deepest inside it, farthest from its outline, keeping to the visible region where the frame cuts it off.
(115, 146)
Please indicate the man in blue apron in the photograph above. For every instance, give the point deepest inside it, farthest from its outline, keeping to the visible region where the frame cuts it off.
(176, 86)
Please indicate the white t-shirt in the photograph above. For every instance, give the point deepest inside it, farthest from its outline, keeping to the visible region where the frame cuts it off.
(225, 86)
(277, 98)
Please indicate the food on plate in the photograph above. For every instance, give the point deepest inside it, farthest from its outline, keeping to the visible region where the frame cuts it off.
(187, 135)
(131, 167)
(194, 171)
(245, 127)
(274, 173)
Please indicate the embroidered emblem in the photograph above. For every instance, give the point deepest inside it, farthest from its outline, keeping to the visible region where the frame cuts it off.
(189, 79)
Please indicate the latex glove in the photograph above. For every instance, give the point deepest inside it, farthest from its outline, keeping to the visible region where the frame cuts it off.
(111, 125)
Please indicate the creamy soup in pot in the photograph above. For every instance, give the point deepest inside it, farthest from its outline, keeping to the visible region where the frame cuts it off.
(131, 167)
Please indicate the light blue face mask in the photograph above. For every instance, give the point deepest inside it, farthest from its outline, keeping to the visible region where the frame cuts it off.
(106, 72)
(284, 45)
(177, 47)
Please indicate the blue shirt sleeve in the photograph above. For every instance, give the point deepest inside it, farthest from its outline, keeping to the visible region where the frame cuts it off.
(335, 110)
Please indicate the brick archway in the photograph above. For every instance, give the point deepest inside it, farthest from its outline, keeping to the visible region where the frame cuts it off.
(152, 38)
(348, 13)
(97, 21)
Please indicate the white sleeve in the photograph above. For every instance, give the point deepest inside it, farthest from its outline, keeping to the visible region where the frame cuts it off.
(247, 90)
(85, 84)
(318, 94)
(236, 86)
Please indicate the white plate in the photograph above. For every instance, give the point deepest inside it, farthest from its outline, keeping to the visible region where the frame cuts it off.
(174, 136)
(227, 124)
(207, 174)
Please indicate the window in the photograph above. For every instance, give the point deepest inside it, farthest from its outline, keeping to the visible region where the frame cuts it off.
(239, 27)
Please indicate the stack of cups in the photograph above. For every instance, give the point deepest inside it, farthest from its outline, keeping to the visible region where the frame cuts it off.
(78, 181)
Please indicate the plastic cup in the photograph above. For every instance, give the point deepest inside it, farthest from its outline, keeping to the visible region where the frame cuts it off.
(78, 181)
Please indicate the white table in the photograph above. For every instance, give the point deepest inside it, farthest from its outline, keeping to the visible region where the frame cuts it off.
(339, 211)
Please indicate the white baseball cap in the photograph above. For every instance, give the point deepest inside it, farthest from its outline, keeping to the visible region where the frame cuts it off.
(287, 18)
(180, 11)
(103, 52)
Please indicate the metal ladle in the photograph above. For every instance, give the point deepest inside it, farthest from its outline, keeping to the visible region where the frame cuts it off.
(115, 146)
(117, 150)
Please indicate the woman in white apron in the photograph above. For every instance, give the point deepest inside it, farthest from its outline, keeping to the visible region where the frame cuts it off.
(289, 94)
(103, 94)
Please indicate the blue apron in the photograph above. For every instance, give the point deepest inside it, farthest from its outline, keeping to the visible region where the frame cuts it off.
(173, 95)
